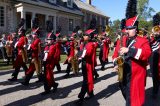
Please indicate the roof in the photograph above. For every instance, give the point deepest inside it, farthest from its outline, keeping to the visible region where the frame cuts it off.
(90, 8)
(60, 5)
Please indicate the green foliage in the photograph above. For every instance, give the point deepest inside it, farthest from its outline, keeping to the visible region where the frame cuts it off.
(145, 24)
(143, 9)
(114, 27)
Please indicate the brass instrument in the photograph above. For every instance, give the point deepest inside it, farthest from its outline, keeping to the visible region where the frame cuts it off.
(37, 62)
(74, 60)
(108, 30)
(156, 29)
(141, 33)
(8, 49)
(120, 62)
(74, 63)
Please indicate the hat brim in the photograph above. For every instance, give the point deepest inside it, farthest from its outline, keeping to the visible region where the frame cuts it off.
(131, 27)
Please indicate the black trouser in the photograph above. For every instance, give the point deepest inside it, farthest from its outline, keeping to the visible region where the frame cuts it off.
(17, 70)
(101, 58)
(84, 88)
(58, 67)
(68, 70)
(95, 72)
(14, 55)
(154, 69)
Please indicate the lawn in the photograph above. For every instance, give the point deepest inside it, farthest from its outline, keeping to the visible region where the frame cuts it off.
(4, 66)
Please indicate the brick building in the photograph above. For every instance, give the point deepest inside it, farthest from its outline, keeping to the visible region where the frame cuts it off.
(65, 13)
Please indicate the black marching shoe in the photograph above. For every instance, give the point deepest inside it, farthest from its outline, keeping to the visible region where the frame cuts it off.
(96, 76)
(12, 79)
(25, 83)
(55, 86)
(66, 76)
(40, 78)
(79, 102)
(102, 68)
(45, 92)
(89, 96)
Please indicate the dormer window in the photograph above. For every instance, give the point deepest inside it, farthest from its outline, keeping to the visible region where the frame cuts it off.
(52, 1)
(70, 3)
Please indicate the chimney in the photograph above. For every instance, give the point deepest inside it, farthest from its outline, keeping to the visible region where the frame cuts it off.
(89, 2)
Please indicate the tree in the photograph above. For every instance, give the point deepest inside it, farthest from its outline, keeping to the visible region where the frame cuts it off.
(144, 11)
(145, 24)
(114, 27)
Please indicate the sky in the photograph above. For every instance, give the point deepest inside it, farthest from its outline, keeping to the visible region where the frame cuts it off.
(115, 9)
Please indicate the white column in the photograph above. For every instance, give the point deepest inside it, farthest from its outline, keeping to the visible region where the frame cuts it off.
(23, 15)
(33, 16)
(46, 17)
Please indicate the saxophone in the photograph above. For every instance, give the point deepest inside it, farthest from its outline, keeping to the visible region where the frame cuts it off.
(8, 49)
(120, 62)
(74, 60)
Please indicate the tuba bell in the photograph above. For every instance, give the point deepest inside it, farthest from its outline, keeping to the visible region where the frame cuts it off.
(156, 29)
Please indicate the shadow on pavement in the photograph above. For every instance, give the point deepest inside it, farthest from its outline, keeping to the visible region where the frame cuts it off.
(61, 92)
(110, 90)
(20, 87)
(149, 101)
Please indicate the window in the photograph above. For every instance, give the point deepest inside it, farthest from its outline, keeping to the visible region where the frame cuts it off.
(57, 22)
(52, 1)
(88, 19)
(51, 18)
(70, 3)
(103, 21)
(70, 24)
(1, 16)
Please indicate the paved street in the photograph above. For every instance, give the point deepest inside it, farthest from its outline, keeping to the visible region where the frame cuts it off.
(106, 91)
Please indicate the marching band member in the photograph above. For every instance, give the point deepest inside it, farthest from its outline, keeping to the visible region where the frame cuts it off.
(135, 55)
(58, 50)
(70, 55)
(155, 57)
(22, 55)
(49, 59)
(3, 40)
(104, 50)
(35, 64)
(88, 59)
(96, 75)
(9, 49)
